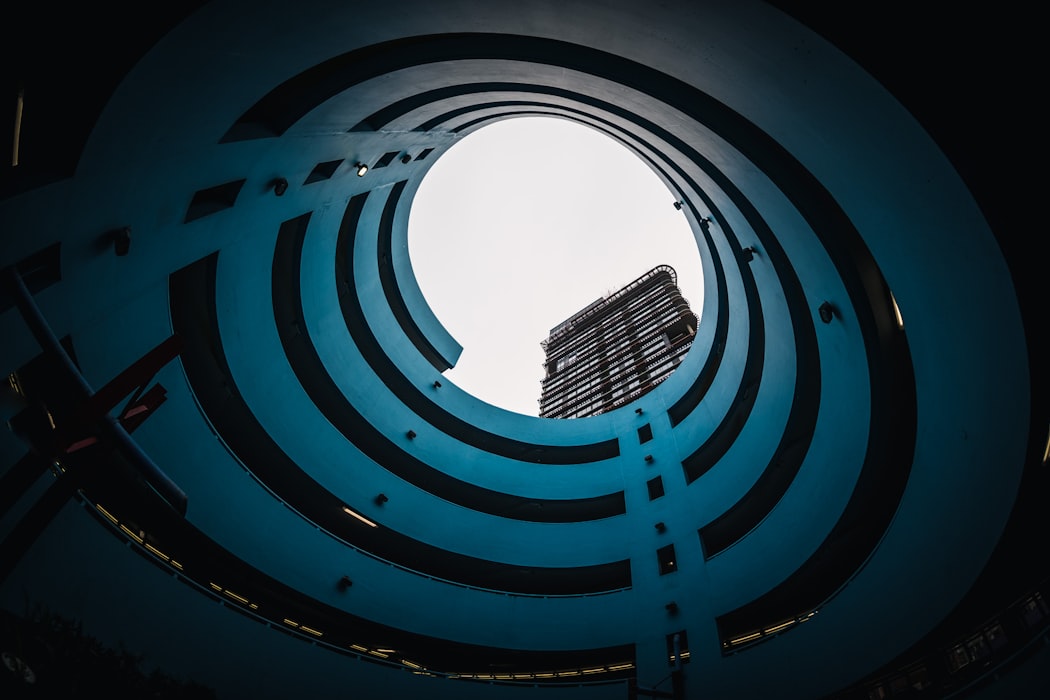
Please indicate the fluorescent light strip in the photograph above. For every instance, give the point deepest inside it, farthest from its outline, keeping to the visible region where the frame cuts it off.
(360, 517)
(897, 311)
(745, 638)
(131, 534)
(18, 128)
(777, 628)
(107, 514)
(156, 551)
(239, 599)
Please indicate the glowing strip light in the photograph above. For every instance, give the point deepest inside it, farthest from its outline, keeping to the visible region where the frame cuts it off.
(156, 551)
(532, 675)
(107, 514)
(311, 630)
(18, 127)
(897, 311)
(239, 599)
(1046, 450)
(410, 664)
(358, 647)
(745, 638)
(360, 517)
(777, 628)
(131, 534)
(215, 586)
(293, 623)
(380, 654)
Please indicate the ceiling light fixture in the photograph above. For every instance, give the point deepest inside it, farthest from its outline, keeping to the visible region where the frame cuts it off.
(361, 169)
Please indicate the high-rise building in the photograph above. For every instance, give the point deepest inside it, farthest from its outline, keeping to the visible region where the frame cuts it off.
(617, 348)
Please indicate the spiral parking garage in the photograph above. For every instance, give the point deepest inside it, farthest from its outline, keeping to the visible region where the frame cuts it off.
(821, 449)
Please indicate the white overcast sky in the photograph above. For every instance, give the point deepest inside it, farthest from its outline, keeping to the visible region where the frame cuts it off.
(523, 223)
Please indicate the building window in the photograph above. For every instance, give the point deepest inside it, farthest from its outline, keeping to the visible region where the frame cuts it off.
(566, 361)
(665, 556)
(683, 647)
(213, 199)
(386, 160)
(645, 433)
(323, 171)
(656, 487)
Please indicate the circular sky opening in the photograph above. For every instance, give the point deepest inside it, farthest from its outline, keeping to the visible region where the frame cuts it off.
(525, 222)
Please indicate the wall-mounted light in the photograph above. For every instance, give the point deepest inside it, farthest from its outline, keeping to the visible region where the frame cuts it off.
(826, 311)
(406, 159)
(660, 527)
(437, 384)
(280, 186)
(678, 205)
(748, 254)
(411, 434)
(380, 499)
(705, 219)
(361, 169)
(345, 583)
(648, 458)
(672, 607)
(638, 411)
(121, 240)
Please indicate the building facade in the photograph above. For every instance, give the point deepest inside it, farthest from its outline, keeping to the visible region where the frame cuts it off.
(618, 348)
